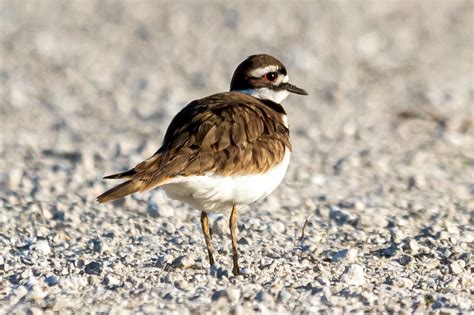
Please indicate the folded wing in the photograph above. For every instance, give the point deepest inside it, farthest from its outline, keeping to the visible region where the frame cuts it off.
(226, 134)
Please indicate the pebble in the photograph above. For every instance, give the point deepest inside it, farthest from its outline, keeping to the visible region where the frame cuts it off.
(277, 227)
(232, 295)
(396, 235)
(165, 211)
(111, 281)
(347, 255)
(181, 284)
(391, 250)
(342, 217)
(442, 235)
(168, 227)
(37, 294)
(456, 267)
(413, 247)
(353, 275)
(51, 280)
(405, 260)
(183, 262)
(15, 176)
(283, 296)
(152, 208)
(262, 297)
(42, 246)
(220, 226)
(405, 283)
(93, 268)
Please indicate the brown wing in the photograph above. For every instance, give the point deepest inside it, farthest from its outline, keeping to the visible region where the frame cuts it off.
(227, 133)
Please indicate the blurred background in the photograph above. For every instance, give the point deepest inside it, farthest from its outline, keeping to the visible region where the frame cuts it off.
(88, 88)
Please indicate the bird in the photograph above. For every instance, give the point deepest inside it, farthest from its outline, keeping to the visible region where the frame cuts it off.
(222, 151)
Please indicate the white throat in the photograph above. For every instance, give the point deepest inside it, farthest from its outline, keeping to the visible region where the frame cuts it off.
(267, 94)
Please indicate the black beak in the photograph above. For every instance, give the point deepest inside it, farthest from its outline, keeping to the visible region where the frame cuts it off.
(294, 89)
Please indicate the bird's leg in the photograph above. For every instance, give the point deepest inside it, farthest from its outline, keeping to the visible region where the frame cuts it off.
(207, 236)
(233, 237)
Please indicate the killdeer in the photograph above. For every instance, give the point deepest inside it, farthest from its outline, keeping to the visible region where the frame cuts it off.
(224, 150)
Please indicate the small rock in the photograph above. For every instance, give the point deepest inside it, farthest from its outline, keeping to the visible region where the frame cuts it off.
(60, 237)
(51, 280)
(20, 292)
(93, 268)
(36, 311)
(152, 208)
(265, 263)
(220, 226)
(168, 227)
(262, 296)
(231, 294)
(14, 278)
(353, 275)
(391, 250)
(244, 241)
(14, 178)
(111, 281)
(346, 254)
(405, 260)
(79, 263)
(323, 281)
(95, 245)
(442, 235)
(283, 296)
(319, 179)
(405, 283)
(359, 205)
(412, 247)
(181, 284)
(342, 217)
(217, 295)
(376, 220)
(183, 262)
(219, 272)
(168, 296)
(396, 235)
(324, 212)
(37, 293)
(42, 246)
(165, 211)
(32, 281)
(277, 227)
(456, 267)
(369, 297)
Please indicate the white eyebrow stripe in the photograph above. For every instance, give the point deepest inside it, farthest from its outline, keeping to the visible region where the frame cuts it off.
(261, 71)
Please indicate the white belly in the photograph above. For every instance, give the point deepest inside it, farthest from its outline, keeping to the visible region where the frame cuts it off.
(219, 193)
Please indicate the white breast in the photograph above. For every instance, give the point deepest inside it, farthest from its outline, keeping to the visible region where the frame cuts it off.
(219, 193)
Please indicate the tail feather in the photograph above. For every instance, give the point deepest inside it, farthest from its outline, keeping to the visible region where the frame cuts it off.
(127, 174)
(122, 190)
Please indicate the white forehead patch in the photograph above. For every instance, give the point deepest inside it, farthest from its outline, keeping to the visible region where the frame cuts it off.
(257, 73)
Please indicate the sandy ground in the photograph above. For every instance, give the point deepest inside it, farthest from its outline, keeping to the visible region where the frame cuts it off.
(382, 169)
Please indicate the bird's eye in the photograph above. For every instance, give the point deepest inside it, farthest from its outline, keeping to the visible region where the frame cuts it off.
(271, 76)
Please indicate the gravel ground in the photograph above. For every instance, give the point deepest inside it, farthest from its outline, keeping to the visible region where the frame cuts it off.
(382, 170)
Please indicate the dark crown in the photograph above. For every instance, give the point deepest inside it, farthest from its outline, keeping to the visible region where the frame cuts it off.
(242, 80)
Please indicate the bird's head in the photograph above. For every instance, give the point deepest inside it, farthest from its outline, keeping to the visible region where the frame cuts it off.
(263, 77)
